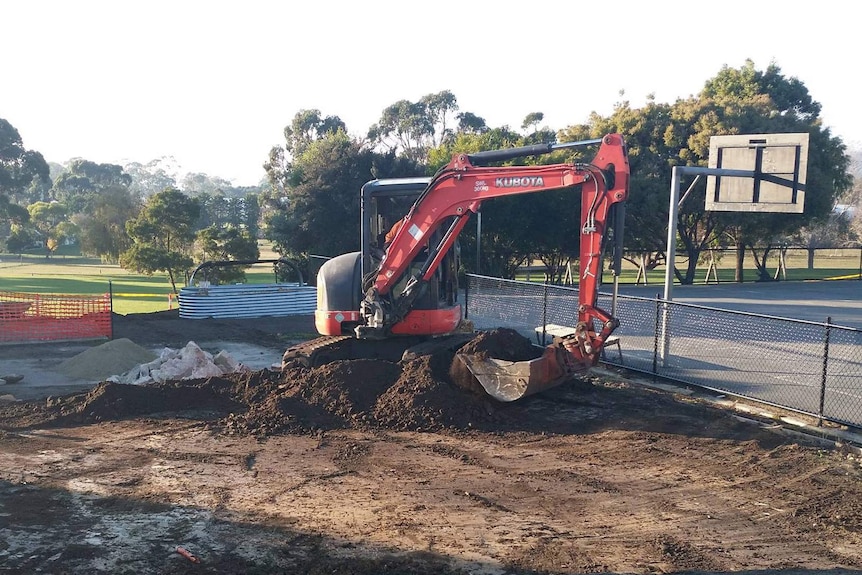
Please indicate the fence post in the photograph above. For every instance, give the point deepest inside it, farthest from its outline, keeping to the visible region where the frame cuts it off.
(544, 310)
(823, 375)
(111, 306)
(466, 295)
(655, 337)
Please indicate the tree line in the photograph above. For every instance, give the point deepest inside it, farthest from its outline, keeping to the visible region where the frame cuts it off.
(312, 205)
(139, 216)
(134, 215)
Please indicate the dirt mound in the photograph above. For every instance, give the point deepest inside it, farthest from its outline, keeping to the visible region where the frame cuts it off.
(412, 395)
(336, 395)
(424, 397)
(502, 343)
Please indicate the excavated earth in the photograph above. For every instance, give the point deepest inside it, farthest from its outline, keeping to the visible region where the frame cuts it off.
(368, 466)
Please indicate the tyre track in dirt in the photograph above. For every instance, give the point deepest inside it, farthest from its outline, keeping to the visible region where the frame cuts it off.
(512, 510)
(661, 502)
(478, 498)
(306, 472)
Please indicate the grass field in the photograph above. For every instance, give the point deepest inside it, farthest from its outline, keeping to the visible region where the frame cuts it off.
(136, 293)
(76, 275)
(828, 264)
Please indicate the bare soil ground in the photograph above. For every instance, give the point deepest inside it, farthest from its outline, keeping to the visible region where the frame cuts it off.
(374, 467)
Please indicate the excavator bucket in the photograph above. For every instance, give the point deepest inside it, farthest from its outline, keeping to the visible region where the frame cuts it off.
(511, 380)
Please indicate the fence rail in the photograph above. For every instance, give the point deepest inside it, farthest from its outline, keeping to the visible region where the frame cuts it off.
(807, 367)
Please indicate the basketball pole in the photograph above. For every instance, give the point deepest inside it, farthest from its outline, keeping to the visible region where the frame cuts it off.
(670, 259)
(789, 158)
(670, 254)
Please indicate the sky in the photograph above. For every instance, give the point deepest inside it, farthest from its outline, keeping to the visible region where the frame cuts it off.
(212, 84)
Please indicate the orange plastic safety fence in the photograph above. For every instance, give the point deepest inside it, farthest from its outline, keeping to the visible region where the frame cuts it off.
(27, 317)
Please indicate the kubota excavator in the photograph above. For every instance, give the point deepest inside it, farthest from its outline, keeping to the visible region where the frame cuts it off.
(391, 298)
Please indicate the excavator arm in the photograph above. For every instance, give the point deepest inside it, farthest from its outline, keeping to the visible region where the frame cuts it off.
(459, 189)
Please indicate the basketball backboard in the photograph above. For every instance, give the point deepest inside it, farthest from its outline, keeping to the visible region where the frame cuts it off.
(779, 165)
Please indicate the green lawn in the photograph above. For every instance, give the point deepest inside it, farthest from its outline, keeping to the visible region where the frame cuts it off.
(132, 293)
(825, 267)
(68, 272)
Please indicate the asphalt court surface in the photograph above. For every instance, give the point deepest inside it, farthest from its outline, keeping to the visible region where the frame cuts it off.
(764, 359)
(808, 300)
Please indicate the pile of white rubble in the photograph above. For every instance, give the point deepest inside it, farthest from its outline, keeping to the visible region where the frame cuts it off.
(190, 362)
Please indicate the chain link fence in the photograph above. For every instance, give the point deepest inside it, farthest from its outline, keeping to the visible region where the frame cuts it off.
(808, 367)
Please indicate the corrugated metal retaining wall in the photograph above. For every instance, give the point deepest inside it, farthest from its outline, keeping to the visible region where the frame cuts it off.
(247, 300)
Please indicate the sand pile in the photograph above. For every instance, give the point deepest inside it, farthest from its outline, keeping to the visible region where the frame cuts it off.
(110, 358)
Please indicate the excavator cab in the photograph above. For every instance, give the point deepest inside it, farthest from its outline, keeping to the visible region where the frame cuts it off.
(387, 209)
(342, 281)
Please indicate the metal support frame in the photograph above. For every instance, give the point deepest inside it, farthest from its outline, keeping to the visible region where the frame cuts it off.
(673, 213)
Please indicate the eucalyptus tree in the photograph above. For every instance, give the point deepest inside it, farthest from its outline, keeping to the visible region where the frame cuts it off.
(306, 127)
(12, 213)
(82, 182)
(661, 136)
(412, 129)
(50, 220)
(150, 178)
(24, 175)
(319, 210)
(198, 183)
(441, 108)
(652, 153)
(470, 123)
(225, 243)
(162, 235)
(102, 230)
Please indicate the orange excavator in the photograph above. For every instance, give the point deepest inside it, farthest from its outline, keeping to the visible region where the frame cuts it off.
(394, 297)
